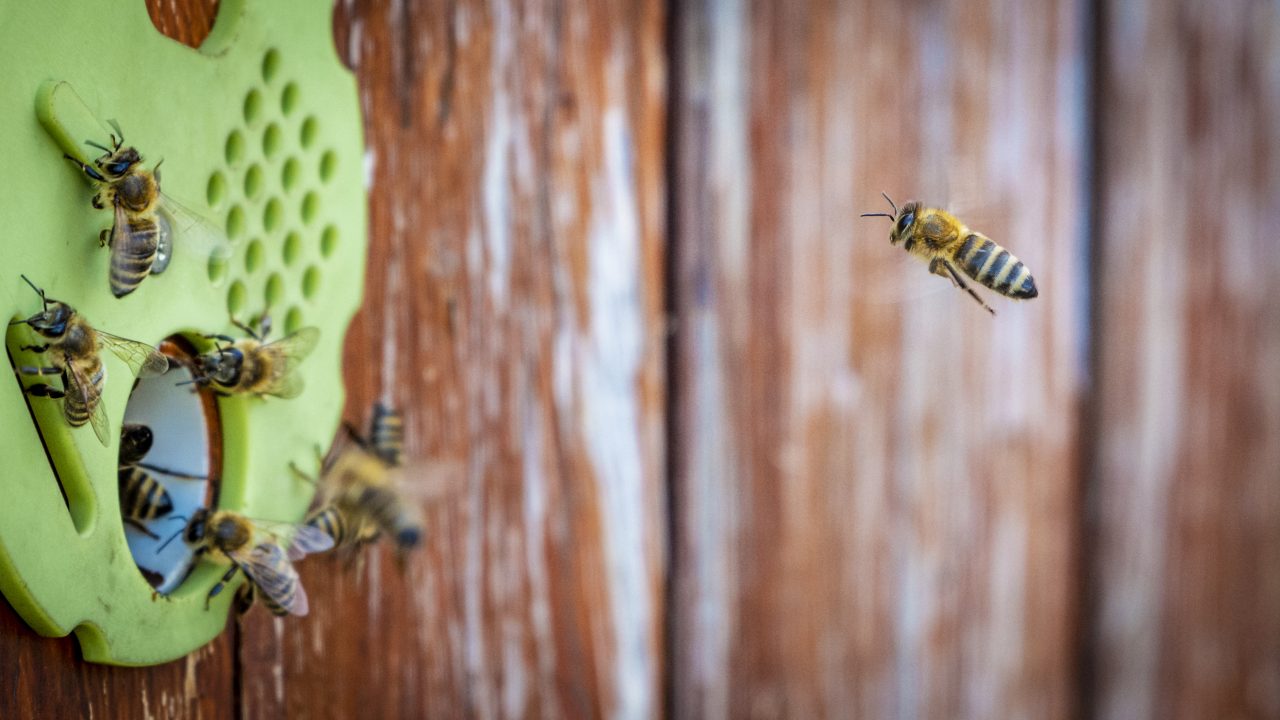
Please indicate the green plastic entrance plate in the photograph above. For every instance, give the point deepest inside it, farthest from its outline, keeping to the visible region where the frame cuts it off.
(259, 130)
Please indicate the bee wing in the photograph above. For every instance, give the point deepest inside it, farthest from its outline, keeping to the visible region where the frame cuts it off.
(144, 360)
(269, 569)
(297, 346)
(195, 233)
(78, 385)
(306, 540)
(288, 352)
(427, 481)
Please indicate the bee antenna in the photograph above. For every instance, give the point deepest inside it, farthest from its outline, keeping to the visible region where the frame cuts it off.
(355, 435)
(117, 142)
(891, 203)
(172, 537)
(878, 215)
(98, 145)
(38, 290)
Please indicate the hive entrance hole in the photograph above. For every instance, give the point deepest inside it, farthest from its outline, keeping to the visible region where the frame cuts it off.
(181, 464)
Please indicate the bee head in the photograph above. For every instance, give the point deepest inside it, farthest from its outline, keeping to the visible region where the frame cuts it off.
(118, 163)
(408, 538)
(198, 526)
(221, 365)
(902, 219)
(135, 443)
(51, 322)
(906, 217)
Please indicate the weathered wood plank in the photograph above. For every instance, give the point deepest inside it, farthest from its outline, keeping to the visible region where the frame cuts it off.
(1187, 557)
(46, 678)
(514, 310)
(874, 487)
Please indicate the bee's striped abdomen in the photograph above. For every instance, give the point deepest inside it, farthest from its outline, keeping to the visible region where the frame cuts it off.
(142, 497)
(277, 608)
(76, 409)
(333, 523)
(132, 255)
(996, 268)
(387, 434)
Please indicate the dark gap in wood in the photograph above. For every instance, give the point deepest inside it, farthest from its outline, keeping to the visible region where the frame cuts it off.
(671, 318)
(188, 22)
(1088, 512)
(237, 669)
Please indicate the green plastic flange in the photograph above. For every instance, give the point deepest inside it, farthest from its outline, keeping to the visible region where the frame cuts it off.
(260, 130)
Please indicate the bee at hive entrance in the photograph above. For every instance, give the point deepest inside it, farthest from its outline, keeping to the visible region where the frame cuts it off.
(169, 465)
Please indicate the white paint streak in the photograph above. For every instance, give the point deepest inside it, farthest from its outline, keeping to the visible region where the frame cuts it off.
(535, 542)
(277, 668)
(370, 165)
(354, 35)
(611, 419)
(712, 504)
(496, 189)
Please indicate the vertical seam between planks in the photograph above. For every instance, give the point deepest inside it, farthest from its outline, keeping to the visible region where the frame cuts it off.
(1088, 520)
(672, 318)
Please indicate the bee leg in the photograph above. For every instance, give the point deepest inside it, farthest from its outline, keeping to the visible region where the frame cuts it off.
(226, 578)
(247, 330)
(142, 528)
(86, 169)
(29, 370)
(245, 597)
(106, 237)
(937, 267)
(297, 471)
(171, 473)
(42, 390)
(222, 338)
(35, 348)
(955, 277)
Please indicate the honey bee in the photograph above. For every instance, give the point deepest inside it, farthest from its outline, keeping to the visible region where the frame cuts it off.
(73, 346)
(141, 234)
(362, 492)
(254, 366)
(360, 500)
(938, 236)
(143, 498)
(256, 553)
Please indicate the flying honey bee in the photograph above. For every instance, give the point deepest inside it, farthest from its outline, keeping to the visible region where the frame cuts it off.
(938, 236)
(363, 489)
(141, 234)
(73, 346)
(256, 553)
(254, 366)
(360, 500)
(143, 498)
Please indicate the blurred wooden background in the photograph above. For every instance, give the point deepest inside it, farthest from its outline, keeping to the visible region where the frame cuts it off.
(729, 454)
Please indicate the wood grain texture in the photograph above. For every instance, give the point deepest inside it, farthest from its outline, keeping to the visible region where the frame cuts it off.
(1186, 564)
(514, 311)
(46, 678)
(875, 482)
(878, 491)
